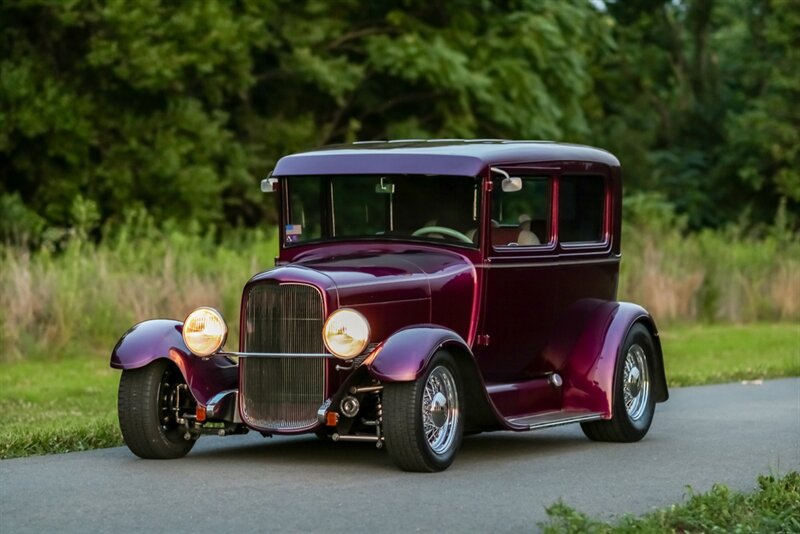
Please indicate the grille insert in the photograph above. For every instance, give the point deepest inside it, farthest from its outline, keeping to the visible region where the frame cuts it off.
(282, 393)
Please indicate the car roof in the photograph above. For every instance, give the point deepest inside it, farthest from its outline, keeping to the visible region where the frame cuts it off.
(453, 157)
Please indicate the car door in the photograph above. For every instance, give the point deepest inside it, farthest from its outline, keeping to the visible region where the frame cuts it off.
(520, 289)
(587, 274)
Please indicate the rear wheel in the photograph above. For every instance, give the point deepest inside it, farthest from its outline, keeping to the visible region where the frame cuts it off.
(633, 402)
(147, 400)
(423, 419)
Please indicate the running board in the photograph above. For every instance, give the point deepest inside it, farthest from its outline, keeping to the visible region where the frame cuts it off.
(547, 420)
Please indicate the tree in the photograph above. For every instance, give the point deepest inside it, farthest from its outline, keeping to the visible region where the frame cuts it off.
(180, 107)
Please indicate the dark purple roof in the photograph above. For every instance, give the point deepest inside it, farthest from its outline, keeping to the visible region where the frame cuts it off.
(454, 157)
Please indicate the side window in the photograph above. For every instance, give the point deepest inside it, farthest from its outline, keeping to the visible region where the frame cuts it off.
(581, 202)
(521, 217)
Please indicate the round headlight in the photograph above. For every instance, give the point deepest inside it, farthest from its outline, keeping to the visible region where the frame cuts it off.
(346, 333)
(204, 331)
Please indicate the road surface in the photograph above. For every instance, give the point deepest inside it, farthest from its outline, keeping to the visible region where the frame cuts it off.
(500, 482)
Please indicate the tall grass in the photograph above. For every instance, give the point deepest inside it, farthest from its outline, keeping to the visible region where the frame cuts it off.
(728, 275)
(82, 298)
(78, 297)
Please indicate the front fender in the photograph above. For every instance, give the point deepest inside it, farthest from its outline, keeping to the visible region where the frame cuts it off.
(590, 366)
(161, 338)
(405, 354)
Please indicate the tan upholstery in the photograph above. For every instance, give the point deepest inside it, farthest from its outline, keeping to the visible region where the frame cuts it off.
(527, 238)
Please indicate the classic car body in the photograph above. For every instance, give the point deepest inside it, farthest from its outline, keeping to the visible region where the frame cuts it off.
(485, 274)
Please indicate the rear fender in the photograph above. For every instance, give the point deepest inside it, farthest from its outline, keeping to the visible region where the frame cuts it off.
(590, 365)
(161, 339)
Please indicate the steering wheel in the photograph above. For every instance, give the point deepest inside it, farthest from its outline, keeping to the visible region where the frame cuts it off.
(455, 234)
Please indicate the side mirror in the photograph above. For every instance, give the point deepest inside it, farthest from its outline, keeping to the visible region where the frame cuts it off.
(511, 185)
(384, 187)
(269, 185)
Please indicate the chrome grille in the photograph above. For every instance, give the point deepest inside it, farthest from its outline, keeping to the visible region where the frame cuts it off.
(282, 393)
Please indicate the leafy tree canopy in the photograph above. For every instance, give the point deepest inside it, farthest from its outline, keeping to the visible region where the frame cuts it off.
(180, 107)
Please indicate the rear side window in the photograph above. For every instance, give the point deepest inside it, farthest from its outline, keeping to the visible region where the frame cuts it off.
(581, 201)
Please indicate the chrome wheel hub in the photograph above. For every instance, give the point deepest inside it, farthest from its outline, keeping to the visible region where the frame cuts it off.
(440, 410)
(635, 382)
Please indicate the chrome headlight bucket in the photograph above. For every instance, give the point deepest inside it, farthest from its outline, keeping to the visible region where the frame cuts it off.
(204, 331)
(346, 333)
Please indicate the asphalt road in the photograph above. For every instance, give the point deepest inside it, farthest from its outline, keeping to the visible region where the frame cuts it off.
(499, 482)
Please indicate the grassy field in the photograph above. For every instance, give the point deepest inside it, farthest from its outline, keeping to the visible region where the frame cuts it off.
(707, 354)
(773, 507)
(59, 405)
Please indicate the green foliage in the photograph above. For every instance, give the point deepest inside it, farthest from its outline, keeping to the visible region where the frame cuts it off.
(764, 136)
(180, 107)
(698, 102)
(124, 105)
(772, 507)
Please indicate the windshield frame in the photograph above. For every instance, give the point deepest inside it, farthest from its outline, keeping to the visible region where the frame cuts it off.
(328, 216)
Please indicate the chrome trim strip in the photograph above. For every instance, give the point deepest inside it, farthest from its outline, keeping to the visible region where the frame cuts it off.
(512, 265)
(211, 407)
(568, 420)
(277, 354)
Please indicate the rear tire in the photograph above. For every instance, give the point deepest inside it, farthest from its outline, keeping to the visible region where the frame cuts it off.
(147, 422)
(633, 402)
(423, 419)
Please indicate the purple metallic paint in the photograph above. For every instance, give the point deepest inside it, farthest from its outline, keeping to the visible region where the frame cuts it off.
(536, 311)
(161, 338)
(393, 284)
(405, 355)
(451, 158)
(518, 399)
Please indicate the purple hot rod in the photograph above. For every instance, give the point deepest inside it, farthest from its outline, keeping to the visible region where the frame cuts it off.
(424, 290)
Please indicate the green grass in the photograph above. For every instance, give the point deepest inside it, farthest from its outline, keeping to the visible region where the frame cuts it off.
(59, 405)
(708, 354)
(773, 507)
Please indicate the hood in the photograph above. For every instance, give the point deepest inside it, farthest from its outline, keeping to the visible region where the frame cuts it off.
(394, 286)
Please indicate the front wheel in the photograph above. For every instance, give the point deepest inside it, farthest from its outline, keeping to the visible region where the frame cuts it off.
(423, 419)
(150, 400)
(633, 401)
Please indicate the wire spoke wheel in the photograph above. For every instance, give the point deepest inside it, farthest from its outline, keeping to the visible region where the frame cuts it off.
(424, 418)
(635, 382)
(633, 400)
(440, 409)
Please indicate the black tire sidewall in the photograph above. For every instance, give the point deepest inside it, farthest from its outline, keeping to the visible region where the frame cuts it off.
(439, 461)
(634, 429)
(138, 407)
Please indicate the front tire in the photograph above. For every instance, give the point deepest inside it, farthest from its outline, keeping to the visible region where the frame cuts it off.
(146, 418)
(633, 401)
(423, 419)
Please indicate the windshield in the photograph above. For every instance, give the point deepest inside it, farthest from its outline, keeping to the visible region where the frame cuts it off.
(432, 208)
